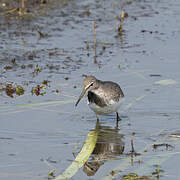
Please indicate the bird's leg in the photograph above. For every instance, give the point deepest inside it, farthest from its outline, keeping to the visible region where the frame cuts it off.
(117, 117)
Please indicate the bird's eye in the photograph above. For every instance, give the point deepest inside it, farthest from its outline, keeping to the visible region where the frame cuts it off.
(92, 84)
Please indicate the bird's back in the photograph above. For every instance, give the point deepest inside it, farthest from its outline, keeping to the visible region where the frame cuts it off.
(110, 91)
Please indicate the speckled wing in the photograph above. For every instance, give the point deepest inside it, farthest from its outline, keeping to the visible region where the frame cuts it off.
(112, 91)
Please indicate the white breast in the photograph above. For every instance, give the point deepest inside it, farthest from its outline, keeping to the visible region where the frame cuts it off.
(113, 106)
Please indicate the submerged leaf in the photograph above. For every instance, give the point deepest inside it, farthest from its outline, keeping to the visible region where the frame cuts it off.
(165, 82)
(19, 90)
(81, 158)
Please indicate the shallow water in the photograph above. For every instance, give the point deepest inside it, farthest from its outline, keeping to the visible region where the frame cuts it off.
(49, 127)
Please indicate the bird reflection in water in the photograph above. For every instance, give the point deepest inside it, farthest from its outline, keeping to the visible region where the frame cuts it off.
(109, 144)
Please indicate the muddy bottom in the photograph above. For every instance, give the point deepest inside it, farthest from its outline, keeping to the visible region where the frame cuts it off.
(43, 55)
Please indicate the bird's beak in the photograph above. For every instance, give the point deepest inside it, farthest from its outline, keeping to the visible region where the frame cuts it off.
(81, 96)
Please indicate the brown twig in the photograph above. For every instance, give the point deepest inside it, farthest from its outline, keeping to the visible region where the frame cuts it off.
(117, 22)
(22, 4)
(95, 43)
(122, 17)
(120, 28)
(95, 26)
(132, 143)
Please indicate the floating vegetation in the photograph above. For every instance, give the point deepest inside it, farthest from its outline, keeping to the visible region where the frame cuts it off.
(165, 82)
(119, 27)
(167, 146)
(38, 90)
(175, 134)
(12, 89)
(19, 90)
(66, 78)
(58, 90)
(21, 8)
(8, 68)
(157, 172)
(45, 82)
(41, 35)
(151, 32)
(155, 75)
(37, 70)
(134, 176)
(51, 173)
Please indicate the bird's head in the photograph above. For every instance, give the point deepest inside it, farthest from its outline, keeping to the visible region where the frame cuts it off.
(89, 83)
